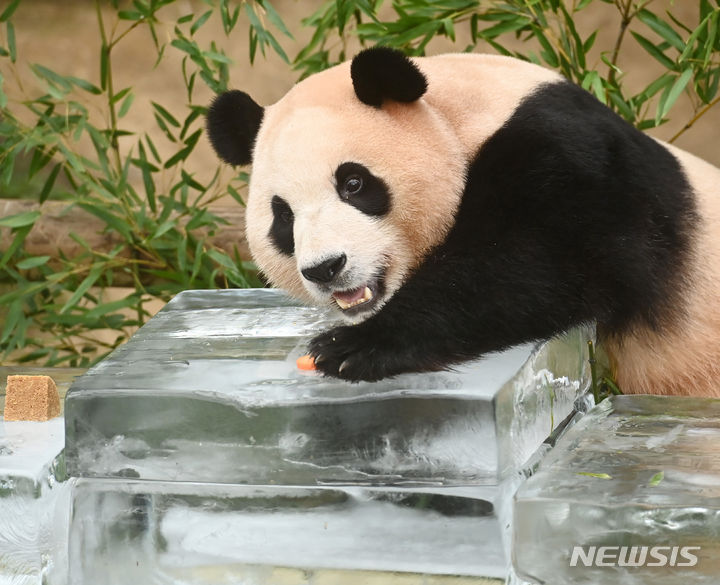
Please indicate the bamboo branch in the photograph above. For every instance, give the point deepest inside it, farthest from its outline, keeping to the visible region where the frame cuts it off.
(695, 118)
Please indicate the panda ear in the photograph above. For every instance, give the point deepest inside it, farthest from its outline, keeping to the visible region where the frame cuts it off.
(381, 73)
(232, 123)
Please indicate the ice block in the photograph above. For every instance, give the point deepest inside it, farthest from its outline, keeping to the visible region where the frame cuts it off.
(34, 501)
(631, 495)
(125, 533)
(208, 391)
(34, 493)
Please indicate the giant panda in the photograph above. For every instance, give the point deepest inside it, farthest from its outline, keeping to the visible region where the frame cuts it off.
(455, 205)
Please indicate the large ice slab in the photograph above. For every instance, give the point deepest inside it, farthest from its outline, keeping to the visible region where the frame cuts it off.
(130, 532)
(33, 503)
(208, 391)
(635, 473)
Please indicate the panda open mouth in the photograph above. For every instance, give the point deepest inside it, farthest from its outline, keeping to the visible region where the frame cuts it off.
(348, 299)
(360, 299)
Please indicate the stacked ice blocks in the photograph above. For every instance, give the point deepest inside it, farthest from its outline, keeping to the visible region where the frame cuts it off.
(631, 495)
(202, 449)
(34, 499)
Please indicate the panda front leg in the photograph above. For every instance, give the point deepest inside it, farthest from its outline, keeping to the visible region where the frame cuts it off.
(459, 304)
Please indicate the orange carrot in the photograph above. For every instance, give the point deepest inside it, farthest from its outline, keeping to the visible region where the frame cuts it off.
(306, 362)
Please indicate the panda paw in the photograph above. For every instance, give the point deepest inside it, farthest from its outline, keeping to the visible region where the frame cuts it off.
(352, 353)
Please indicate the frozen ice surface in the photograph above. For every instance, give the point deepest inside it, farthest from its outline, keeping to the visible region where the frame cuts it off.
(637, 471)
(33, 503)
(208, 391)
(130, 532)
(205, 456)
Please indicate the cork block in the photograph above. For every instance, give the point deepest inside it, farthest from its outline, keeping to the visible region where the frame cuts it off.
(31, 398)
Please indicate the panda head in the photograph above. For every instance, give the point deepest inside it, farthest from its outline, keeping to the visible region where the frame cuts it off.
(355, 177)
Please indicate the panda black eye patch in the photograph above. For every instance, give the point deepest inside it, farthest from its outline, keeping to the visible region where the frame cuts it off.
(281, 230)
(357, 186)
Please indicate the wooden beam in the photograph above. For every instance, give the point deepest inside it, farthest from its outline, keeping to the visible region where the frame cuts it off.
(50, 236)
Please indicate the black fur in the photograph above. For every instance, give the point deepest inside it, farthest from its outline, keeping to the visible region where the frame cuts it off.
(372, 197)
(381, 73)
(569, 215)
(232, 122)
(281, 230)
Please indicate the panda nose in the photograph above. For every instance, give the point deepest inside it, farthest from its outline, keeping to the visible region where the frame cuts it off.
(326, 271)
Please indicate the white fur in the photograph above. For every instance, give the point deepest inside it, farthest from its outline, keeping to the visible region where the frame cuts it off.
(421, 150)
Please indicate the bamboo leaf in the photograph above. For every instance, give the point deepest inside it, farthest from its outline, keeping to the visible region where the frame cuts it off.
(13, 317)
(548, 53)
(164, 127)
(18, 240)
(504, 27)
(200, 21)
(165, 114)
(120, 95)
(278, 49)
(27, 218)
(104, 66)
(54, 79)
(11, 41)
(690, 45)
(85, 85)
(656, 479)
(49, 182)
(660, 83)
(180, 155)
(8, 12)
(275, 19)
(101, 311)
(83, 287)
(654, 51)
(110, 220)
(589, 42)
(712, 36)
(165, 227)
(674, 93)
(216, 57)
(148, 180)
(579, 49)
(222, 259)
(130, 15)
(32, 262)
(597, 475)
(152, 148)
(662, 28)
(125, 106)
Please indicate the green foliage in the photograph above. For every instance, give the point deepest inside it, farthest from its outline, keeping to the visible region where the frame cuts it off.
(156, 210)
(602, 384)
(162, 229)
(688, 53)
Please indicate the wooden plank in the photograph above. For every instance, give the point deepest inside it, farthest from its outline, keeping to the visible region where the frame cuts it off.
(50, 235)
